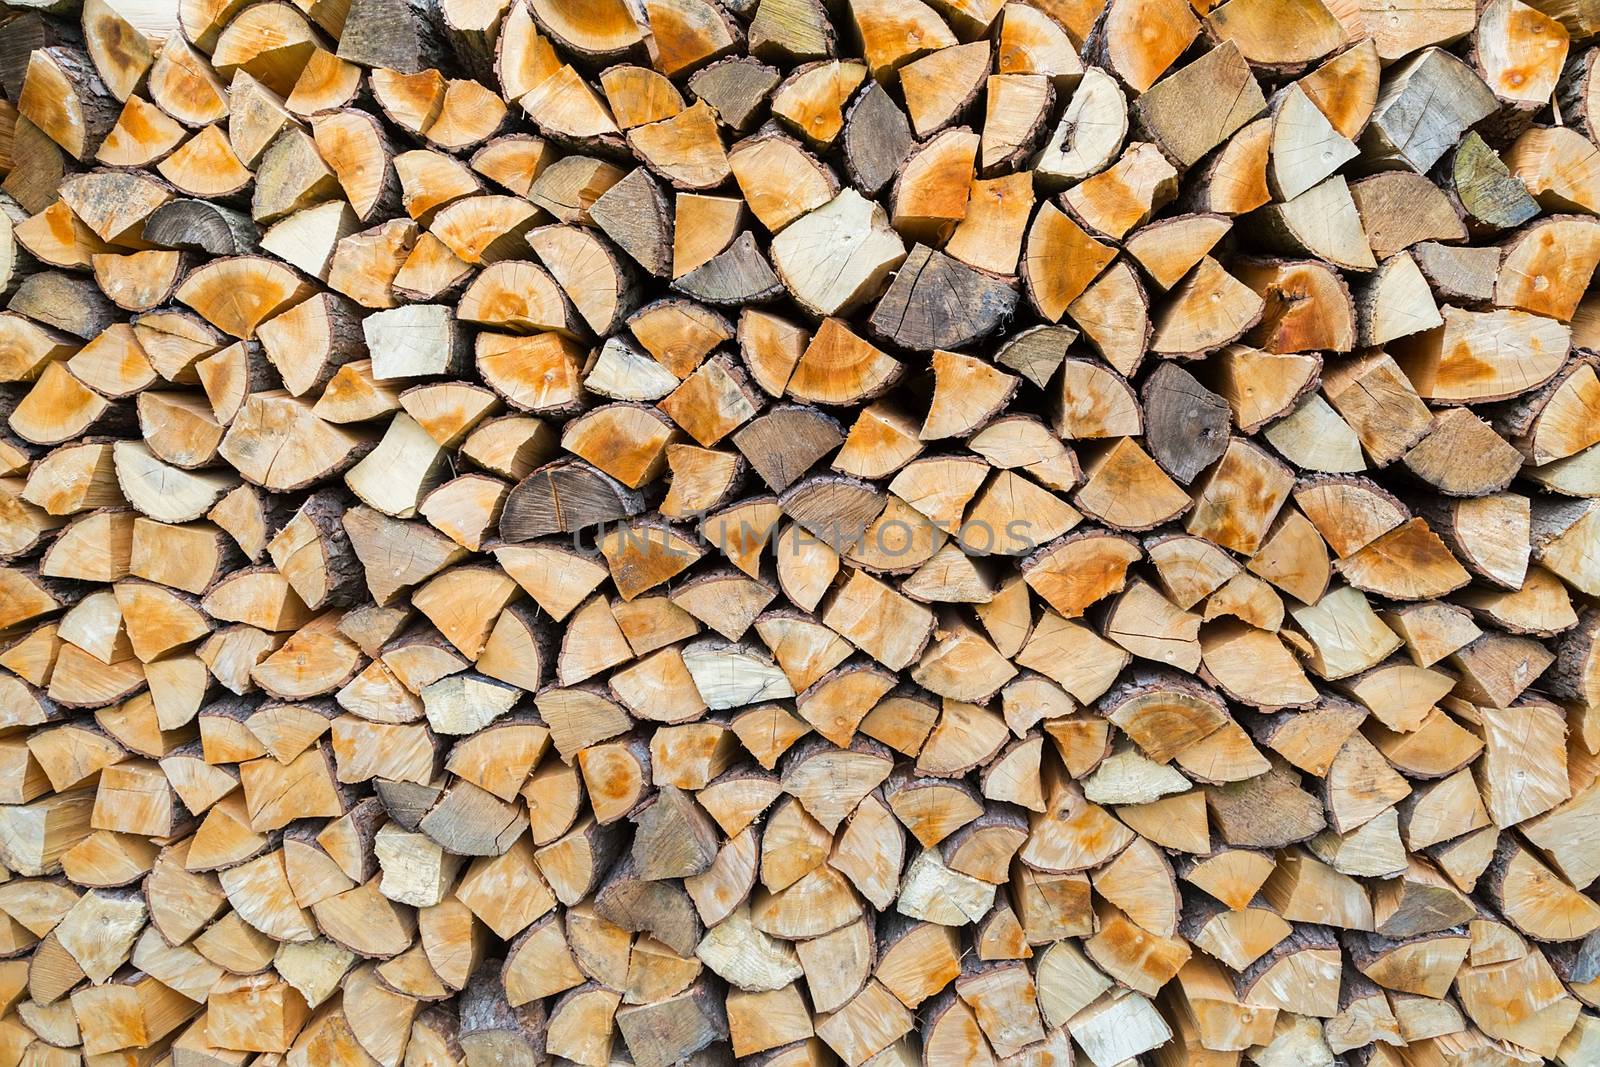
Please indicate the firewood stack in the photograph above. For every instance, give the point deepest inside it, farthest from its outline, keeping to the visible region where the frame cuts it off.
(868, 531)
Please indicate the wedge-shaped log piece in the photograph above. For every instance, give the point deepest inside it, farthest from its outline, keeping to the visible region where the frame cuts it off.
(1209, 309)
(1406, 129)
(686, 149)
(738, 275)
(1535, 899)
(941, 84)
(1139, 59)
(238, 294)
(838, 256)
(256, 444)
(872, 616)
(811, 100)
(1278, 36)
(1127, 193)
(1533, 278)
(633, 213)
(517, 296)
(1305, 148)
(1409, 562)
(933, 186)
(1380, 403)
(1089, 134)
(63, 96)
(1323, 222)
(1556, 165)
(1126, 490)
(1117, 1026)
(1459, 363)
(1198, 106)
(1113, 314)
(163, 492)
(1060, 260)
(839, 367)
(1396, 302)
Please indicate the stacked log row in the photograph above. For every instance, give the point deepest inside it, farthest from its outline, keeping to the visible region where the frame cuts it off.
(872, 531)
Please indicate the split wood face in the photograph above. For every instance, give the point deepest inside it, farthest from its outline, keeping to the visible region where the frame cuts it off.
(892, 532)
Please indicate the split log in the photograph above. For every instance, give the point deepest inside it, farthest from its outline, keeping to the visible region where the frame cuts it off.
(404, 550)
